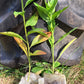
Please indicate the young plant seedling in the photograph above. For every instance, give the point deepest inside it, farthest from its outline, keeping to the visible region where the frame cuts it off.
(24, 44)
(49, 15)
(43, 67)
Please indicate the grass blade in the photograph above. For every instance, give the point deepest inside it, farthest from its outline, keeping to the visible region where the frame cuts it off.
(67, 46)
(60, 39)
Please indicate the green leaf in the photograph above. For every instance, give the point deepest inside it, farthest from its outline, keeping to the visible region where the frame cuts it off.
(21, 44)
(40, 38)
(18, 13)
(67, 46)
(12, 34)
(37, 30)
(45, 63)
(42, 12)
(36, 69)
(39, 72)
(60, 39)
(52, 4)
(57, 13)
(38, 64)
(32, 21)
(47, 5)
(37, 52)
(53, 25)
(28, 2)
(48, 71)
(56, 64)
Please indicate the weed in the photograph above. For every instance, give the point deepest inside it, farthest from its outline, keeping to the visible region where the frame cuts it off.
(49, 15)
(24, 44)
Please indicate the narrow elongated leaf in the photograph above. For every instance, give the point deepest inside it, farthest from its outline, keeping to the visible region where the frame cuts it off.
(38, 52)
(21, 44)
(18, 13)
(32, 21)
(60, 39)
(57, 13)
(67, 46)
(42, 12)
(47, 5)
(28, 2)
(53, 4)
(40, 38)
(37, 30)
(12, 34)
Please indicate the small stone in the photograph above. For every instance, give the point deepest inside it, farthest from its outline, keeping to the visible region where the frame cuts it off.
(41, 81)
(56, 78)
(33, 79)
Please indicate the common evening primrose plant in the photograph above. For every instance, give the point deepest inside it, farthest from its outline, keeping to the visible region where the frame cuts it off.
(24, 44)
(48, 14)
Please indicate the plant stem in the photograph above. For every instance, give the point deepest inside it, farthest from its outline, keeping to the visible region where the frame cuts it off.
(51, 29)
(52, 50)
(28, 48)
